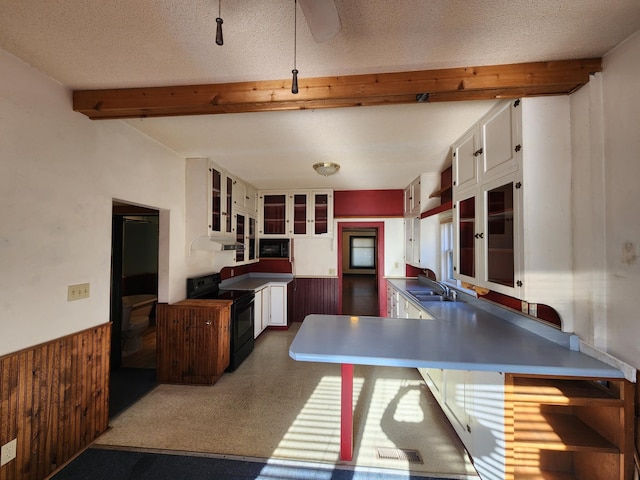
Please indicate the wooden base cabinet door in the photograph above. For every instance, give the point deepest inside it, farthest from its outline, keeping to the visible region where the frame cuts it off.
(193, 341)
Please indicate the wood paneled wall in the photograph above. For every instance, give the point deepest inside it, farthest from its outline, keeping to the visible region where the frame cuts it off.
(314, 295)
(54, 398)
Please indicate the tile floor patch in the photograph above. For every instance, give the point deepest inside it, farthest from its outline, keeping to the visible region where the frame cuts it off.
(386, 453)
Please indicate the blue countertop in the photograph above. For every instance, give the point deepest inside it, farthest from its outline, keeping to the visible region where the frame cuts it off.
(254, 281)
(462, 336)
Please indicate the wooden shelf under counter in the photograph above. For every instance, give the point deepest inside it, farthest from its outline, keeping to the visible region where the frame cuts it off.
(563, 428)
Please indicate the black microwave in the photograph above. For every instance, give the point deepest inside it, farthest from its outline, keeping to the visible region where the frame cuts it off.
(275, 247)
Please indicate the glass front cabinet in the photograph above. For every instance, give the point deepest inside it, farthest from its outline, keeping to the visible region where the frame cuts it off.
(512, 204)
(487, 198)
(487, 236)
(221, 218)
(246, 224)
(300, 213)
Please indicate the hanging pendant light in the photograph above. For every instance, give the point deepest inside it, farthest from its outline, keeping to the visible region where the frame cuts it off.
(219, 40)
(294, 81)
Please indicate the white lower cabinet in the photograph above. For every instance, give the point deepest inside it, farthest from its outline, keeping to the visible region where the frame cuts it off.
(270, 307)
(261, 315)
(455, 402)
(399, 305)
(278, 305)
(486, 410)
(474, 404)
(433, 378)
(392, 301)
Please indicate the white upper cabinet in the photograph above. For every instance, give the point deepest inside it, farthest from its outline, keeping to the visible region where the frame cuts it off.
(208, 198)
(465, 160)
(512, 225)
(245, 197)
(298, 213)
(221, 204)
(500, 137)
(489, 149)
(416, 194)
(220, 209)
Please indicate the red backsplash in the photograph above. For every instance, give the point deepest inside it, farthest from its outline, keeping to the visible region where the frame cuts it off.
(272, 265)
(545, 312)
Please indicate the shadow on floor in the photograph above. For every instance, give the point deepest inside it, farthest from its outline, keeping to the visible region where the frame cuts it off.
(127, 385)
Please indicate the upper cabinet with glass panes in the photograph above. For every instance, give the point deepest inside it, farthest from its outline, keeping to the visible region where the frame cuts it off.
(221, 208)
(511, 195)
(299, 213)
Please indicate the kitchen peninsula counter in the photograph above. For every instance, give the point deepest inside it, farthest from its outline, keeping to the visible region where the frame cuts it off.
(460, 337)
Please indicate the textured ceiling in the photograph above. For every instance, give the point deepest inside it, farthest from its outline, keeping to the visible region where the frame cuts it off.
(88, 44)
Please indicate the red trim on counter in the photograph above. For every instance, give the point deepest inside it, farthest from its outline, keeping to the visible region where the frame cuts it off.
(545, 312)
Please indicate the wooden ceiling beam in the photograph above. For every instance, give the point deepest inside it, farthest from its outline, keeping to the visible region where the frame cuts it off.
(452, 84)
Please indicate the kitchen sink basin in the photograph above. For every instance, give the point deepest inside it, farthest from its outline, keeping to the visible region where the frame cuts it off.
(432, 298)
(424, 291)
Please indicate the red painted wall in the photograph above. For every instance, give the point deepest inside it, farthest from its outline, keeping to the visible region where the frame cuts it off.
(368, 203)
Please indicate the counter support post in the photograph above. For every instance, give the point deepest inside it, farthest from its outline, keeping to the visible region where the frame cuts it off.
(346, 413)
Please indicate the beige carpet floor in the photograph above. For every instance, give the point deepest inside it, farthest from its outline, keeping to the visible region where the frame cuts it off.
(275, 407)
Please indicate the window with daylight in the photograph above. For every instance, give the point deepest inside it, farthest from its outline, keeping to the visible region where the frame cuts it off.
(446, 242)
(363, 252)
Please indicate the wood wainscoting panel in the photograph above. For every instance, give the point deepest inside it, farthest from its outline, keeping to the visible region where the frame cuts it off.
(314, 295)
(54, 399)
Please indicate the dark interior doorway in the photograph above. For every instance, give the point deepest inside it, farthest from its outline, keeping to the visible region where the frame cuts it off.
(134, 286)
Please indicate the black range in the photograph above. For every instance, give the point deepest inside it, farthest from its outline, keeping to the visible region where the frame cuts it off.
(242, 313)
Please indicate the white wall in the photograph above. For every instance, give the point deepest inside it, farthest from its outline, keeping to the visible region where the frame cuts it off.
(606, 168)
(319, 257)
(60, 174)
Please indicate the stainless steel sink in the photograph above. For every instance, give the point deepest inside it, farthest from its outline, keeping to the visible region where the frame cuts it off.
(432, 298)
(422, 291)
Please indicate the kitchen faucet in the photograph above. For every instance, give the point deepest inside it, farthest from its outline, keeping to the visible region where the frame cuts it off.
(446, 290)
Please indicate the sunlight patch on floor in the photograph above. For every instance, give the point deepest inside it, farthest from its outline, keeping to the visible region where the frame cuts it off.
(315, 433)
(394, 404)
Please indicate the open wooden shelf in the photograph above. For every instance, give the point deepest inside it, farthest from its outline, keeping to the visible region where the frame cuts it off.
(543, 475)
(563, 392)
(569, 428)
(438, 193)
(558, 431)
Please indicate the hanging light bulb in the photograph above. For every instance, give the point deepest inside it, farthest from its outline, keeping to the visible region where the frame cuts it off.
(219, 40)
(294, 81)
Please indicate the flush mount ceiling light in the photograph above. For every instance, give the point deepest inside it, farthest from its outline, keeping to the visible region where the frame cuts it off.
(326, 168)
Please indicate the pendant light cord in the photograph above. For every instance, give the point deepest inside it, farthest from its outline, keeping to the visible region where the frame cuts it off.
(294, 72)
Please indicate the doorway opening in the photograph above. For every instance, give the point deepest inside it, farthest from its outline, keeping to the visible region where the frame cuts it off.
(134, 294)
(361, 268)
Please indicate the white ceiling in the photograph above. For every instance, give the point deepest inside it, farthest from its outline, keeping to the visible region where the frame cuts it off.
(86, 44)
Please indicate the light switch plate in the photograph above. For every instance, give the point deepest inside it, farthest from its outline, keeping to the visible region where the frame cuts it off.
(8, 452)
(78, 292)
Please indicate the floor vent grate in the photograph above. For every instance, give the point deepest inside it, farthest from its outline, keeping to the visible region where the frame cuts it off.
(386, 453)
